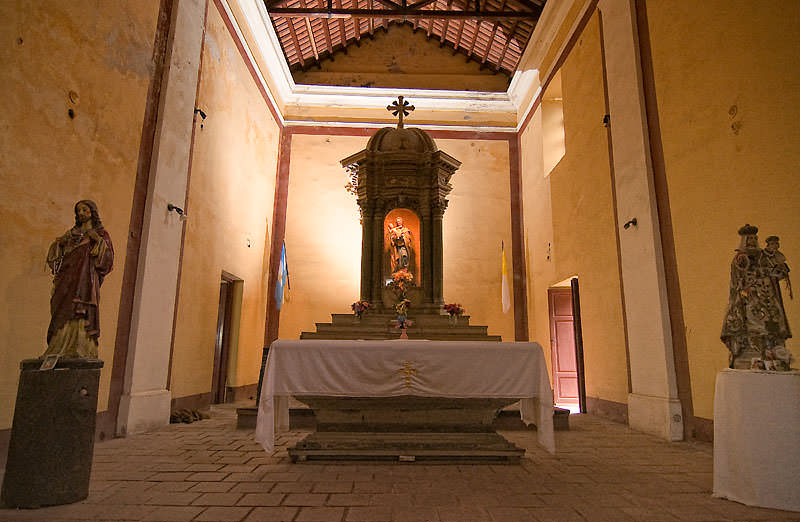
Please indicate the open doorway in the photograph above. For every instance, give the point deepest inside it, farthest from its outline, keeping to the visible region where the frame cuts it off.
(566, 341)
(230, 298)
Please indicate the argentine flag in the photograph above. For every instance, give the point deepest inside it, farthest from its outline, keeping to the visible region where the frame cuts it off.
(283, 279)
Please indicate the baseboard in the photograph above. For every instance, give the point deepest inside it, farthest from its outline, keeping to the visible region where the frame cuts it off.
(5, 438)
(613, 411)
(105, 426)
(200, 401)
(702, 429)
(241, 393)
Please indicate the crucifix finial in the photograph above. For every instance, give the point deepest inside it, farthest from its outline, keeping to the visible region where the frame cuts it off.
(400, 108)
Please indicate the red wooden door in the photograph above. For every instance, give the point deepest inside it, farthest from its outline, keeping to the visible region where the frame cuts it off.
(562, 342)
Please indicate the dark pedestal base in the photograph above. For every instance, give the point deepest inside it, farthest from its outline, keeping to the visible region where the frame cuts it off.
(52, 438)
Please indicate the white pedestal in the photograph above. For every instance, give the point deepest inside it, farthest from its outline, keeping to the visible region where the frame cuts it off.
(757, 438)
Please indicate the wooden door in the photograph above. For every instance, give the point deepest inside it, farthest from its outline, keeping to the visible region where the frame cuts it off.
(562, 342)
(221, 346)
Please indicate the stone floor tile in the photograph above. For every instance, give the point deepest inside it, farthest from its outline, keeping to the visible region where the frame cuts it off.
(463, 514)
(376, 486)
(348, 499)
(344, 486)
(223, 514)
(173, 513)
(320, 514)
(261, 499)
(217, 499)
(305, 499)
(253, 487)
(415, 514)
(293, 487)
(207, 476)
(244, 477)
(212, 487)
(562, 514)
(369, 514)
(172, 486)
(204, 467)
(272, 514)
(173, 498)
(169, 476)
(510, 514)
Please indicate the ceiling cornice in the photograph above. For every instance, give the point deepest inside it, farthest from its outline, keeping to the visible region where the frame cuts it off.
(326, 105)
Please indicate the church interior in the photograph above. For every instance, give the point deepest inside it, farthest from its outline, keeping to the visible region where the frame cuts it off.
(609, 151)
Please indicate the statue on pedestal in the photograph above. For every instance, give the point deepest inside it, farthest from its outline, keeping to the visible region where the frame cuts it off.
(79, 260)
(401, 246)
(755, 327)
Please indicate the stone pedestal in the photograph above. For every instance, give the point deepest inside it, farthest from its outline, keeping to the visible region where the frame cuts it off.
(52, 438)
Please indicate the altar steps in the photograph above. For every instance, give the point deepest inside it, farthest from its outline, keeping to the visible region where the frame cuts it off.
(374, 326)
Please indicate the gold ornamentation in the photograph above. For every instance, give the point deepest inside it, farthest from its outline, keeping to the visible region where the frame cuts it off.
(407, 371)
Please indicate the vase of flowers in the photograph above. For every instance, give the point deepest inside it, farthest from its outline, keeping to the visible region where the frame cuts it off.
(401, 309)
(359, 307)
(400, 281)
(455, 310)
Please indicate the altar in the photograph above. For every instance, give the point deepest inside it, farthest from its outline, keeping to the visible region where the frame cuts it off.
(407, 399)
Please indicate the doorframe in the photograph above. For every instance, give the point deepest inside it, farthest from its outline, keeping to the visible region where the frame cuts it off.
(574, 290)
(222, 344)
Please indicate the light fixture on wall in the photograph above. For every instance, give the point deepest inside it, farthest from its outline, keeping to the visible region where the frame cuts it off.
(177, 210)
(630, 223)
(202, 114)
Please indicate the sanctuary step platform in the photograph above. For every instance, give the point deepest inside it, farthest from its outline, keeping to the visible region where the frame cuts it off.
(372, 325)
(405, 428)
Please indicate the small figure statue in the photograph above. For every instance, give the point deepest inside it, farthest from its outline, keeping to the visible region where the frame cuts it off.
(79, 260)
(755, 326)
(401, 247)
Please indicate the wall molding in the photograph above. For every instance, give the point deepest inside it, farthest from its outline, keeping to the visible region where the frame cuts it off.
(613, 411)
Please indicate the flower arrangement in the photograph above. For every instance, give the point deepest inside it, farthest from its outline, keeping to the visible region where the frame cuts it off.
(400, 280)
(454, 309)
(401, 308)
(359, 307)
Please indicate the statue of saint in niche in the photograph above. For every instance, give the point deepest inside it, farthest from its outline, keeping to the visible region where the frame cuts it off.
(400, 243)
(79, 260)
(755, 327)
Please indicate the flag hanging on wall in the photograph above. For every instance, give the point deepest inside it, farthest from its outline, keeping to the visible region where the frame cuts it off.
(506, 293)
(282, 285)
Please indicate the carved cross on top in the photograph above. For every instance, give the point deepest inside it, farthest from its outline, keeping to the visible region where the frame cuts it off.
(400, 107)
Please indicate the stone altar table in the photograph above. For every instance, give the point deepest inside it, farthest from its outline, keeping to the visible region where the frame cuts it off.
(414, 399)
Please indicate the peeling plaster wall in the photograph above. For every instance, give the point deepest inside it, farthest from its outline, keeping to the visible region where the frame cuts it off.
(323, 234)
(402, 58)
(230, 201)
(572, 209)
(728, 87)
(103, 53)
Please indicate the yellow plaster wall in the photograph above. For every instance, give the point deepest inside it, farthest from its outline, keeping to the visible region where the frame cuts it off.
(728, 85)
(323, 234)
(401, 58)
(573, 210)
(103, 53)
(230, 203)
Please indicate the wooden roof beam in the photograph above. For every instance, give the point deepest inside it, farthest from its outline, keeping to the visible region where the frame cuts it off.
(509, 35)
(457, 41)
(408, 14)
(327, 30)
(296, 43)
(443, 38)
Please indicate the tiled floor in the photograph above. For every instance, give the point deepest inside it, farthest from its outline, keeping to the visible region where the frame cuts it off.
(209, 471)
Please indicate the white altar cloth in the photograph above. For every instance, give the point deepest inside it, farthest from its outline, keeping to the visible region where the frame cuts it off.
(455, 369)
(757, 438)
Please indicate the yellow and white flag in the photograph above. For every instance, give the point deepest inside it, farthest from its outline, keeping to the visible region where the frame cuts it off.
(506, 293)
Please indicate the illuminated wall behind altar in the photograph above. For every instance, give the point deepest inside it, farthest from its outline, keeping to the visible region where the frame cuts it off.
(229, 204)
(323, 234)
